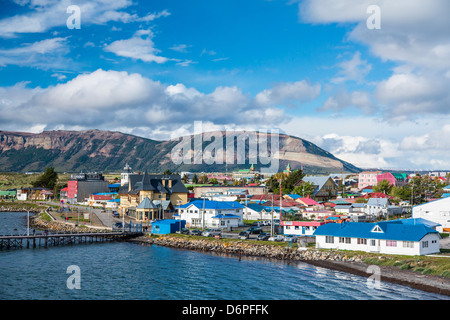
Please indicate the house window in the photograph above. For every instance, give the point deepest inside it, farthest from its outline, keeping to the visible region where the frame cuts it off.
(329, 239)
(373, 243)
(347, 240)
(341, 239)
(424, 244)
(362, 241)
(408, 244)
(391, 243)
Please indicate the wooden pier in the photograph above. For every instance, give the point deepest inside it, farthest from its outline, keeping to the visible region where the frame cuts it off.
(47, 240)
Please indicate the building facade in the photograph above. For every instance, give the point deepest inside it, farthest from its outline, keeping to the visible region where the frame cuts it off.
(153, 187)
(387, 237)
(437, 211)
(211, 214)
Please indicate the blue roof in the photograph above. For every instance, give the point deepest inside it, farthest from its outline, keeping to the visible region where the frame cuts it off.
(146, 204)
(445, 195)
(256, 207)
(294, 196)
(391, 230)
(213, 205)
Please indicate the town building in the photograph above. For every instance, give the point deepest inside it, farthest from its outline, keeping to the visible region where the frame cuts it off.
(153, 187)
(201, 191)
(82, 185)
(367, 178)
(394, 179)
(324, 187)
(167, 226)
(254, 211)
(381, 207)
(211, 214)
(301, 228)
(437, 211)
(387, 237)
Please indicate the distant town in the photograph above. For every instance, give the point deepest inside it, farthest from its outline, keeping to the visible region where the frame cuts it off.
(373, 211)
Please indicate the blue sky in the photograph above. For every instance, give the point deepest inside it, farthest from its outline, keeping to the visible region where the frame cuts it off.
(313, 69)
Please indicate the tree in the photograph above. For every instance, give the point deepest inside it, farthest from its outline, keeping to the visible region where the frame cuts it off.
(47, 180)
(195, 179)
(383, 186)
(306, 188)
(203, 179)
(167, 172)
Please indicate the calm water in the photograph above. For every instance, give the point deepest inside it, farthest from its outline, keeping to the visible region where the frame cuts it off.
(130, 271)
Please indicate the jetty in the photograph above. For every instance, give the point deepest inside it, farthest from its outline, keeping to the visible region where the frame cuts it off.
(58, 239)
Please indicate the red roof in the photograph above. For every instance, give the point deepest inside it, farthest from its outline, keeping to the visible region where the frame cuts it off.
(64, 189)
(308, 201)
(377, 195)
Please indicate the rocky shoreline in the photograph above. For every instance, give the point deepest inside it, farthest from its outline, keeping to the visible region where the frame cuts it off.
(326, 259)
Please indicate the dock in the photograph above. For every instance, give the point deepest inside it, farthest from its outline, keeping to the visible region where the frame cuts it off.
(59, 239)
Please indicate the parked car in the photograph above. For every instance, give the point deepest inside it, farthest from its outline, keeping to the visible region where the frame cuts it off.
(244, 235)
(290, 237)
(277, 237)
(254, 230)
(263, 236)
(115, 214)
(212, 232)
(196, 232)
(184, 231)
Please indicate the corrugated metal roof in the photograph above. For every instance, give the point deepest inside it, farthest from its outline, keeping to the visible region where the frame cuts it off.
(392, 230)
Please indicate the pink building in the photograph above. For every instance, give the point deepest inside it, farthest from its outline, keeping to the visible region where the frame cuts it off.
(395, 179)
(367, 178)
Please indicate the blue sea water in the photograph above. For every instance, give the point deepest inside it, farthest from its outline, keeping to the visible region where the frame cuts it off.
(127, 271)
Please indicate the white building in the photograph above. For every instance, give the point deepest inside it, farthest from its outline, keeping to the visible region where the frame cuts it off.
(211, 214)
(255, 211)
(437, 211)
(405, 237)
(381, 207)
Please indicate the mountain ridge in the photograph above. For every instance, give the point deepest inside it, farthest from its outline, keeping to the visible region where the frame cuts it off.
(108, 151)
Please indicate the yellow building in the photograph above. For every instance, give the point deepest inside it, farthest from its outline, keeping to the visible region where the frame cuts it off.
(141, 196)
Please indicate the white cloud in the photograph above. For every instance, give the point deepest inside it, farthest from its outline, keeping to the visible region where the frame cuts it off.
(45, 15)
(180, 48)
(36, 54)
(342, 100)
(106, 99)
(139, 47)
(414, 35)
(354, 69)
(289, 93)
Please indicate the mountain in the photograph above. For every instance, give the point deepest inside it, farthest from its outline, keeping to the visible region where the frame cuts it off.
(106, 151)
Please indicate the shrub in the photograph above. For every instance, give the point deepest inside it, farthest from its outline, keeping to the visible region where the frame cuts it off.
(427, 271)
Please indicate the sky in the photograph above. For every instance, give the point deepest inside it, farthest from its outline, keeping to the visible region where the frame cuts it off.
(367, 80)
